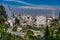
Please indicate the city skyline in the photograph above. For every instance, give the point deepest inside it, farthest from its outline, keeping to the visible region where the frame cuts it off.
(32, 10)
(36, 5)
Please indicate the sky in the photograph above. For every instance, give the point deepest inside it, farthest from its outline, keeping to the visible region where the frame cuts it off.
(21, 5)
(31, 2)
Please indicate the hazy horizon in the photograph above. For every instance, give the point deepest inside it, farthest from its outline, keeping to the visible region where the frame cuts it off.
(32, 10)
(32, 6)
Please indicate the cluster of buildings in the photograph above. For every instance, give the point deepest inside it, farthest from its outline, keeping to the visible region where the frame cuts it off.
(33, 20)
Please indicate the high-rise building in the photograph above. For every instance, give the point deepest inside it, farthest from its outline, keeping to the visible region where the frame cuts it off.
(11, 13)
(40, 20)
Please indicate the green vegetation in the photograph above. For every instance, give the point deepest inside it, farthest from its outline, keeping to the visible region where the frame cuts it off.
(3, 27)
(30, 36)
(8, 36)
(53, 31)
(47, 33)
(2, 14)
(14, 28)
(16, 21)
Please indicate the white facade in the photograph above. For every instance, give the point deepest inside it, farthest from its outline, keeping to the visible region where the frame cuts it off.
(40, 20)
(11, 21)
(49, 20)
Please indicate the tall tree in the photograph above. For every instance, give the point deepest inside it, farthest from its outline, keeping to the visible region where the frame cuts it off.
(17, 21)
(47, 33)
(2, 14)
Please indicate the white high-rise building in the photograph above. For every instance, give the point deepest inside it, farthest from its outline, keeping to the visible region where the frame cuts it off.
(11, 13)
(40, 20)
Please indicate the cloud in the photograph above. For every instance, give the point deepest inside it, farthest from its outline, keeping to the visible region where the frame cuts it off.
(22, 2)
(44, 8)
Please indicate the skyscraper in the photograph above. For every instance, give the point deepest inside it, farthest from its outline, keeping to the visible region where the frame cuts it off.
(10, 14)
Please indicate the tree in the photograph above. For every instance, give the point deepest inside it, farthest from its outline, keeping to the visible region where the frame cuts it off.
(54, 25)
(30, 36)
(4, 35)
(54, 22)
(47, 33)
(29, 33)
(17, 21)
(4, 27)
(54, 30)
(2, 14)
(58, 34)
(1, 19)
(14, 28)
